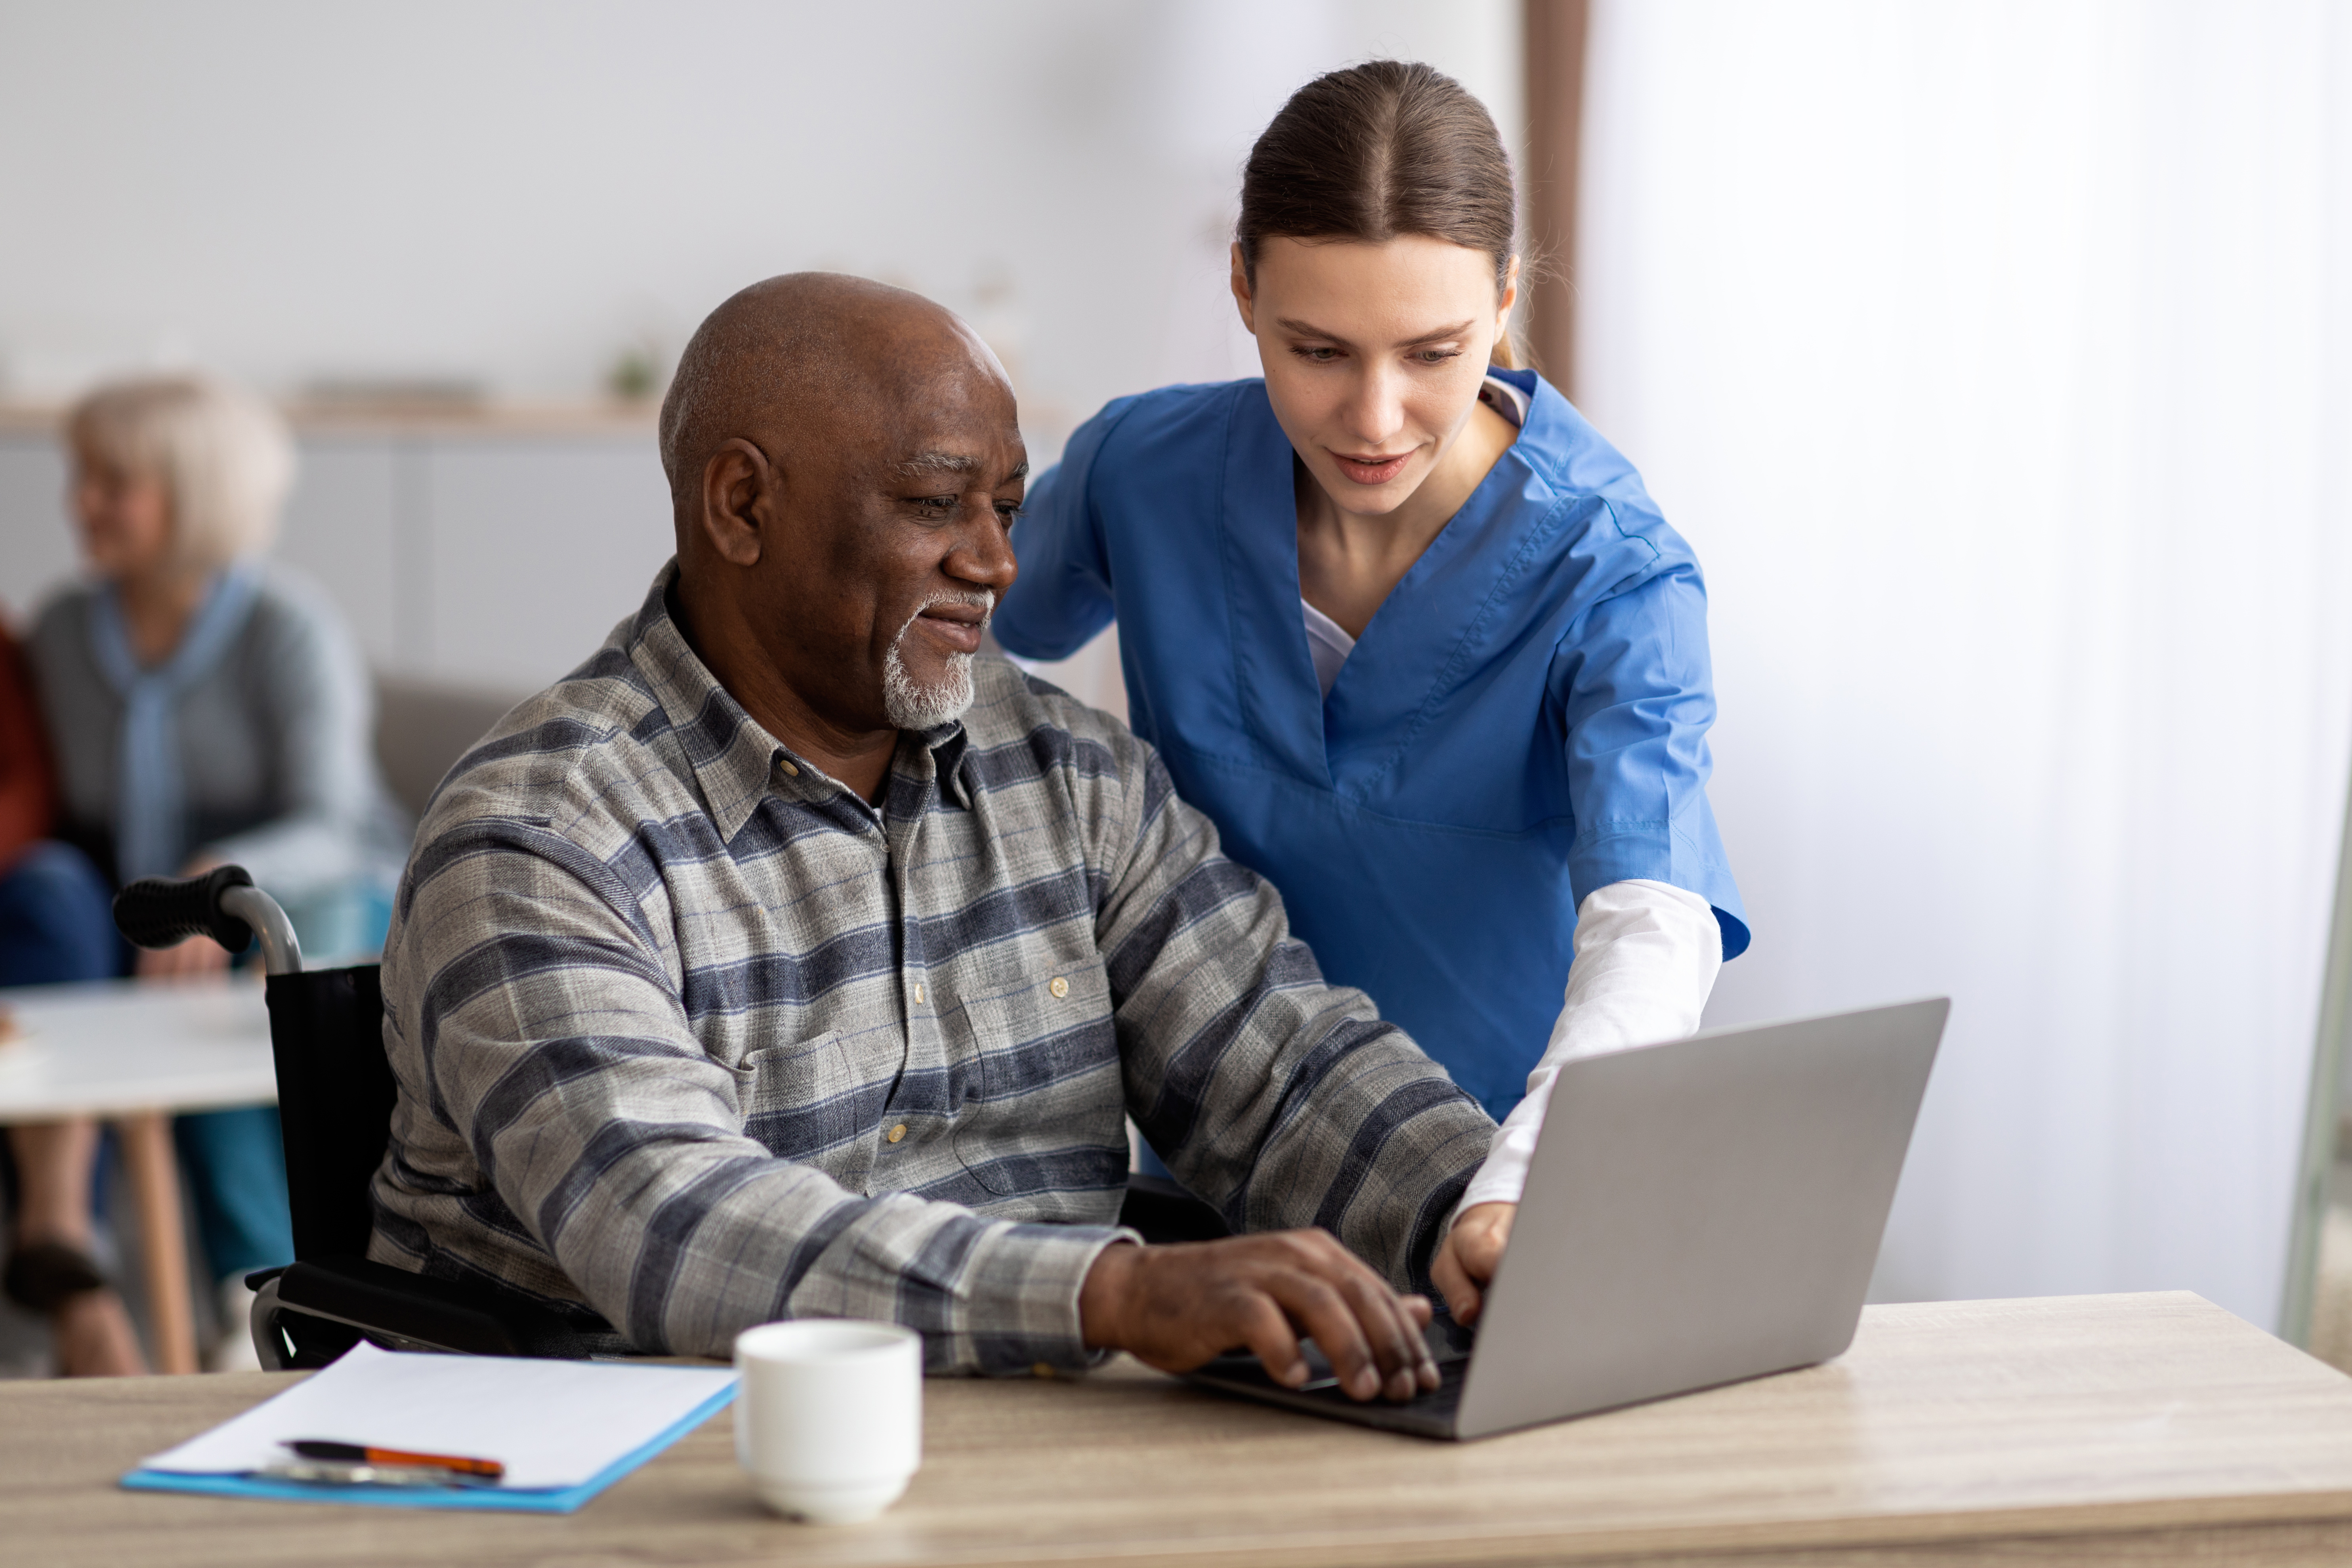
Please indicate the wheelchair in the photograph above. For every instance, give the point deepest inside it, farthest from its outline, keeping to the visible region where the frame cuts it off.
(335, 1095)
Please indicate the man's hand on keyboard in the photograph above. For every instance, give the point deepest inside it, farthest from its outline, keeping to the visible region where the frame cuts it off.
(1175, 1306)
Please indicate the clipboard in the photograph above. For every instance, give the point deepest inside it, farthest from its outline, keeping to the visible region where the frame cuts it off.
(565, 1429)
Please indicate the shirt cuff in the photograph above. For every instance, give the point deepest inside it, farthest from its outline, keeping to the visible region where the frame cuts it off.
(1501, 1179)
(1023, 1283)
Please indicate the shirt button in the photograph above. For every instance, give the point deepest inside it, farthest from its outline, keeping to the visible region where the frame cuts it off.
(790, 771)
(918, 992)
(1059, 987)
(1042, 1369)
(897, 1132)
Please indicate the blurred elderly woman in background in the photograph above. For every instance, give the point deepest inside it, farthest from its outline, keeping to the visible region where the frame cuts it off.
(202, 710)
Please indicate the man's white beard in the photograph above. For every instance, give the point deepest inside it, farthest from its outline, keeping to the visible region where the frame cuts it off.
(910, 705)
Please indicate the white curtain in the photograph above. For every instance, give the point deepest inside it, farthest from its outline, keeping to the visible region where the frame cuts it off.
(1998, 361)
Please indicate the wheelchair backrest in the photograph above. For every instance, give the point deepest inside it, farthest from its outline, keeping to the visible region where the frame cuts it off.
(335, 1094)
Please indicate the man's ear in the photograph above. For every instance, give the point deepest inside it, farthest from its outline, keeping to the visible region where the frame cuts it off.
(736, 486)
(1244, 299)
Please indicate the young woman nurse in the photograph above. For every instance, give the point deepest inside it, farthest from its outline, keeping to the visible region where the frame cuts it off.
(1406, 627)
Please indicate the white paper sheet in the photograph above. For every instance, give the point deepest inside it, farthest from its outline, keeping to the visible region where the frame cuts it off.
(550, 1423)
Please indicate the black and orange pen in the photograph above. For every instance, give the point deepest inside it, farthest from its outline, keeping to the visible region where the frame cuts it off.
(361, 1454)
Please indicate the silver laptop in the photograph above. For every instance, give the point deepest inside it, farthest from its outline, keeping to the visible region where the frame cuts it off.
(1697, 1214)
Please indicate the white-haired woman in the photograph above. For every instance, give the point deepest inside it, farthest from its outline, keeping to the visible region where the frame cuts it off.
(204, 710)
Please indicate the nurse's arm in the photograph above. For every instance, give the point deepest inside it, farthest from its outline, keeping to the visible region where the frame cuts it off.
(1473, 1250)
(1062, 599)
(1646, 959)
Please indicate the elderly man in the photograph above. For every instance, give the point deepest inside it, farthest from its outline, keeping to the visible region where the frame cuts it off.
(787, 960)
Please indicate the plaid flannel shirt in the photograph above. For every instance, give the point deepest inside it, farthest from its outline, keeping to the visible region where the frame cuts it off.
(690, 1035)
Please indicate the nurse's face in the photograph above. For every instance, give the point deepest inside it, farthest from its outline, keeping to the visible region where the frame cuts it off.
(1374, 354)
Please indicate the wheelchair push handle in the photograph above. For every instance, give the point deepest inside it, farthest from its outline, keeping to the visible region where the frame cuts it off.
(222, 904)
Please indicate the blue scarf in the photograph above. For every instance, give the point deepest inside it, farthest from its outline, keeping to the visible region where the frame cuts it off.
(150, 805)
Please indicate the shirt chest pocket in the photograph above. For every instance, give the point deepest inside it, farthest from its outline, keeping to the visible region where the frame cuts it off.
(799, 1099)
(1044, 1107)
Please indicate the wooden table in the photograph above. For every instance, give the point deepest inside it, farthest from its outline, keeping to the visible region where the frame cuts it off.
(136, 1054)
(2138, 1429)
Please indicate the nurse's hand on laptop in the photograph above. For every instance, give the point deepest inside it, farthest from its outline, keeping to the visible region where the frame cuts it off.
(1467, 1260)
(1177, 1306)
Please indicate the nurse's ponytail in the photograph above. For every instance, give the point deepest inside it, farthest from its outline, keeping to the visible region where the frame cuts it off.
(1382, 149)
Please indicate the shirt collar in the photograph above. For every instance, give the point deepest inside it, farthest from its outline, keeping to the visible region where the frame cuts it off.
(947, 745)
(736, 762)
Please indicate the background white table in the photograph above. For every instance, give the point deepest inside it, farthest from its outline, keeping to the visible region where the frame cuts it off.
(135, 1054)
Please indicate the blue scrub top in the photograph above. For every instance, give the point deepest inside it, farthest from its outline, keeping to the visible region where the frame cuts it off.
(1524, 719)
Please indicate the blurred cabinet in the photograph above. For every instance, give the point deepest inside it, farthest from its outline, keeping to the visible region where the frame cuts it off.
(530, 553)
(342, 526)
(35, 549)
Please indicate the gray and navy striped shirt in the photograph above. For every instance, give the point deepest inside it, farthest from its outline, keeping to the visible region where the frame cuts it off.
(691, 1036)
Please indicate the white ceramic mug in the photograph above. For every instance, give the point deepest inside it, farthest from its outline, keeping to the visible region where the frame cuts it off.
(829, 1416)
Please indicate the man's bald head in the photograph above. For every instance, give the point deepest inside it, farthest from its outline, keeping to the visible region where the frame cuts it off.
(845, 463)
(790, 357)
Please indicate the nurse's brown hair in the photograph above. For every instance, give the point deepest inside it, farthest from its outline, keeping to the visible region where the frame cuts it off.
(1377, 151)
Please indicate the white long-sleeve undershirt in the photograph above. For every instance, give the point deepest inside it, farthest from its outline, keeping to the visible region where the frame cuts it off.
(1646, 958)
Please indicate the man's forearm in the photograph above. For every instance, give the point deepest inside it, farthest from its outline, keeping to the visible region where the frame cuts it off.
(684, 1252)
(1276, 1097)
(1103, 1296)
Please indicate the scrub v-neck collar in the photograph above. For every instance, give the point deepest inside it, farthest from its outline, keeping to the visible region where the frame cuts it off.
(1404, 648)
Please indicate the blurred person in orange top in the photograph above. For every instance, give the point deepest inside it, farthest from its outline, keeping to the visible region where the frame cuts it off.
(54, 928)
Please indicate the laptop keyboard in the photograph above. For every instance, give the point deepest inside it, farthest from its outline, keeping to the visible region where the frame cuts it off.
(1439, 1400)
(1432, 1412)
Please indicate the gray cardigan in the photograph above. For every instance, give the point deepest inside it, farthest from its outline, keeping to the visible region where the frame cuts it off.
(274, 744)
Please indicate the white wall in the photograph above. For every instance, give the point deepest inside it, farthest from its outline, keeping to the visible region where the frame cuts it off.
(516, 193)
(1998, 361)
